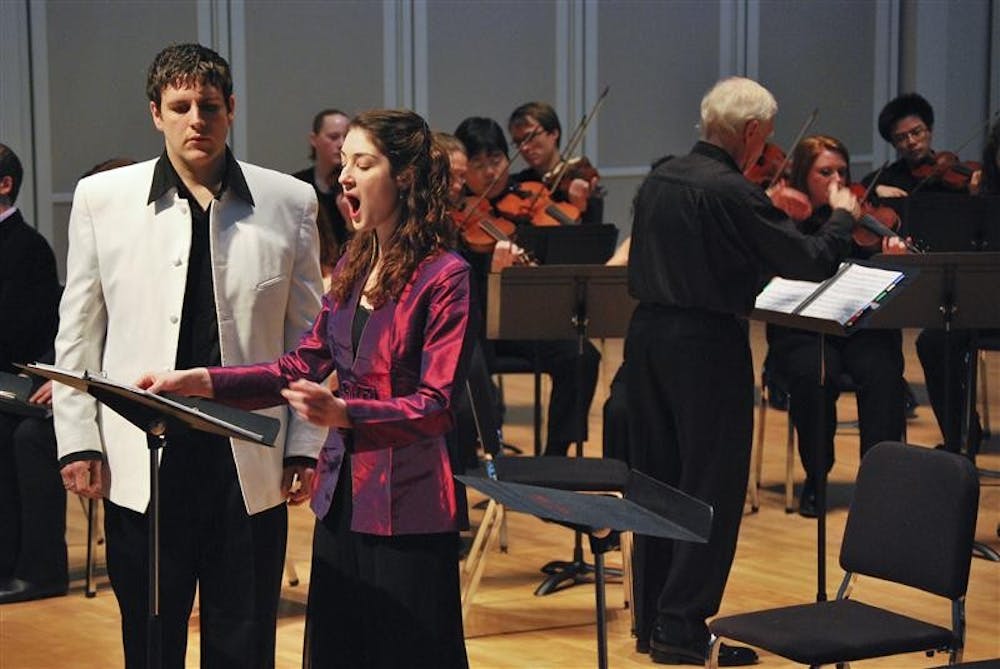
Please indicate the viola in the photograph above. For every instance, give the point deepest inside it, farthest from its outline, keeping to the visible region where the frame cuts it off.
(480, 229)
(946, 168)
(530, 202)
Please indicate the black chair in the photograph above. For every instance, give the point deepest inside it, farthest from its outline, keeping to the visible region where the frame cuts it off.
(912, 522)
(597, 475)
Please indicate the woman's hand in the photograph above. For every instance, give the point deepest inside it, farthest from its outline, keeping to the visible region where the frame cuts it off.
(190, 382)
(505, 254)
(895, 245)
(317, 404)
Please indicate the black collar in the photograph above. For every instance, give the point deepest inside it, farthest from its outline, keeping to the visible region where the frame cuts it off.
(716, 153)
(165, 177)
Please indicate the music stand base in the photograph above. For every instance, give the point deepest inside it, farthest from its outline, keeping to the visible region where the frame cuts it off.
(564, 574)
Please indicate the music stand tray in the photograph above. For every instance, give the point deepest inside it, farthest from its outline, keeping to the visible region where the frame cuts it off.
(160, 416)
(569, 244)
(649, 507)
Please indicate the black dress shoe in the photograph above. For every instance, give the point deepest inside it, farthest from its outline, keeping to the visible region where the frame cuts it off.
(729, 656)
(15, 590)
(642, 645)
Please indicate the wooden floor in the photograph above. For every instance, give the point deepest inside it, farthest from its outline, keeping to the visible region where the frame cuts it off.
(508, 627)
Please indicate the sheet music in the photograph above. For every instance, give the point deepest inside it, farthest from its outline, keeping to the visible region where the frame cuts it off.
(855, 289)
(784, 295)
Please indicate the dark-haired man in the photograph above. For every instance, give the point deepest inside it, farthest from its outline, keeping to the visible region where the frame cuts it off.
(907, 122)
(536, 132)
(32, 499)
(186, 260)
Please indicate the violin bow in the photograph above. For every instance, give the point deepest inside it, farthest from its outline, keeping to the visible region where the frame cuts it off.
(979, 128)
(798, 138)
(575, 139)
(874, 181)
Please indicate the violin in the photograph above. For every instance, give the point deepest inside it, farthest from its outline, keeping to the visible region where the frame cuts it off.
(480, 229)
(530, 202)
(876, 222)
(560, 177)
(764, 171)
(946, 169)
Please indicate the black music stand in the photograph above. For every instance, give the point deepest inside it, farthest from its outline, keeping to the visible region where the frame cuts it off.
(160, 416)
(956, 291)
(649, 507)
(15, 390)
(949, 222)
(569, 244)
(553, 303)
(888, 303)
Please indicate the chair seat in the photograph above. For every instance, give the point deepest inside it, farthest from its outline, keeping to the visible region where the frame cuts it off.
(579, 474)
(829, 632)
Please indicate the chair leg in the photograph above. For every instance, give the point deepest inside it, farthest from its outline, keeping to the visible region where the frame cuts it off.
(789, 462)
(538, 411)
(757, 454)
(475, 562)
(984, 394)
(626, 547)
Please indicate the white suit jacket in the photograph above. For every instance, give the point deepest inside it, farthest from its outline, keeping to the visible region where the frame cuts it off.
(121, 310)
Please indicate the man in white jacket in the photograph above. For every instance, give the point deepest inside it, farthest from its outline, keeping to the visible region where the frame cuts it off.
(190, 259)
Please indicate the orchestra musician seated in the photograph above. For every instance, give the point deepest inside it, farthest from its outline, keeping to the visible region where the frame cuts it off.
(873, 358)
(487, 182)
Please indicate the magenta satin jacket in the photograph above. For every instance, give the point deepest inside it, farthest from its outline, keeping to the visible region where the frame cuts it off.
(412, 355)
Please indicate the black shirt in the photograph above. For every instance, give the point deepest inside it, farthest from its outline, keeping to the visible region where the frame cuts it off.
(198, 339)
(704, 237)
(900, 175)
(329, 214)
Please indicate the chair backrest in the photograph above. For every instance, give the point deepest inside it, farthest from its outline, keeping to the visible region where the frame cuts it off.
(913, 518)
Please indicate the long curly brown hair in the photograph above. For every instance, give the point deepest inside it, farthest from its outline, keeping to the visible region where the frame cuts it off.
(423, 229)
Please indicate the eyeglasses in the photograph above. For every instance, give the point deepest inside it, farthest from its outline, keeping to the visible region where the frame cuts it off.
(915, 133)
(527, 137)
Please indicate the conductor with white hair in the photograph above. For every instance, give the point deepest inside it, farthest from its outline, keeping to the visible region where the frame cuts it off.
(705, 241)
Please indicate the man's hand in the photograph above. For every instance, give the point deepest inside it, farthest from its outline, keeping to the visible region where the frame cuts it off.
(83, 477)
(43, 395)
(296, 483)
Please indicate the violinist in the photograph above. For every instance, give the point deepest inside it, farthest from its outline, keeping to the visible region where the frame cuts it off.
(907, 122)
(536, 132)
(931, 344)
(873, 358)
(488, 173)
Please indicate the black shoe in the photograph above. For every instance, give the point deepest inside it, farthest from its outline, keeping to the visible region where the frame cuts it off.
(15, 590)
(642, 645)
(729, 656)
(807, 501)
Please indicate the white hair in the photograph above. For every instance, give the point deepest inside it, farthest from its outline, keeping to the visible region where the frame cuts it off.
(732, 102)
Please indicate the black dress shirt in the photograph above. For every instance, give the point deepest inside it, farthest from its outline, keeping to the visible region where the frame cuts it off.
(704, 237)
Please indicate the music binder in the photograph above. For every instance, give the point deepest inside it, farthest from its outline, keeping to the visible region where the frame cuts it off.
(140, 406)
(835, 306)
(14, 393)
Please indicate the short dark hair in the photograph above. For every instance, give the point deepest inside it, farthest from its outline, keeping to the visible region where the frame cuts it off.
(542, 112)
(186, 65)
(318, 124)
(10, 166)
(907, 104)
(481, 135)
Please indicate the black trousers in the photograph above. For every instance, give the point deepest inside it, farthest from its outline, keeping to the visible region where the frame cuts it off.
(873, 358)
(559, 360)
(951, 379)
(689, 380)
(32, 503)
(207, 540)
(382, 602)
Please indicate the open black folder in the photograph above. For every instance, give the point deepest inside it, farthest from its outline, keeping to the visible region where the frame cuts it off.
(835, 306)
(139, 407)
(14, 393)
